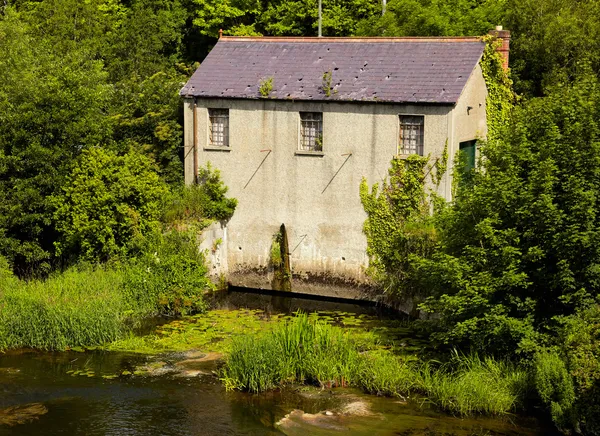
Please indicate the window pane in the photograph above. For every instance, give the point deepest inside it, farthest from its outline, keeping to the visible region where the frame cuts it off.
(219, 127)
(311, 131)
(411, 134)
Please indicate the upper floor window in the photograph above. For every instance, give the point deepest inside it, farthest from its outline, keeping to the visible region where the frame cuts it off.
(218, 127)
(411, 134)
(311, 131)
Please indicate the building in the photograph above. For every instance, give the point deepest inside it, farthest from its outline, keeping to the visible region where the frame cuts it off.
(294, 124)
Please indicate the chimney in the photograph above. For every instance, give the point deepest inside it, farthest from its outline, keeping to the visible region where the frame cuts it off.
(503, 49)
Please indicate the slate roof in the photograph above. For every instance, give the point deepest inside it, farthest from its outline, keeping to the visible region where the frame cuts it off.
(399, 70)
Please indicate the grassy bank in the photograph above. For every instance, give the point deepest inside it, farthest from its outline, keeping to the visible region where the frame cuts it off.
(312, 352)
(88, 306)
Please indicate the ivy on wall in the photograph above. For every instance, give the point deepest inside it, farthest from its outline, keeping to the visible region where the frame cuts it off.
(399, 221)
(500, 97)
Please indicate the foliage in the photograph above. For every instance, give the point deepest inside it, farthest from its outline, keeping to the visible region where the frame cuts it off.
(326, 86)
(398, 223)
(169, 277)
(518, 246)
(298, 351)
(89, 306)
(435, 18)
(217, 206)
(108, 201)
(471, 384)
(51, 107)
(147, 118)
(551, 38)
(307, 351)
(500, 97)
(580, 341)
(554, 385)
(71, 309)
(266, 86)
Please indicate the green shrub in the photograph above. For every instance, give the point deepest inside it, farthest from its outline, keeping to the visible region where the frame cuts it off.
(168, 277)
(201, 202)
(580, 337)
(108, 202)
(554, 386)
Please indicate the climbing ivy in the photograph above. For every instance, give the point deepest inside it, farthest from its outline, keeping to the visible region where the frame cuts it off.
(399, 222)
(500, 97)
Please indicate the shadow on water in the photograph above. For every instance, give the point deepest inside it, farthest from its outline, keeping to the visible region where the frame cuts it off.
(98, 393)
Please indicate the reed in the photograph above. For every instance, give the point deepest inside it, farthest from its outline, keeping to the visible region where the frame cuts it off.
(302, 350)
(73, 309)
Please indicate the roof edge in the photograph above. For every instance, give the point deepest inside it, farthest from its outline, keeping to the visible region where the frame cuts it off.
(329, 39)
(303, 100)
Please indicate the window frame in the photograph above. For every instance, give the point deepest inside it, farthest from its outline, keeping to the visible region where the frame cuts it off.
(420, 147)
(218, 114)
(315, 145)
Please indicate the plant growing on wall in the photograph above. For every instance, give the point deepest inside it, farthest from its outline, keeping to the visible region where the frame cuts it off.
(500, 98)
(327, 86)
(399, 224)
(266, 86)
(280, 261)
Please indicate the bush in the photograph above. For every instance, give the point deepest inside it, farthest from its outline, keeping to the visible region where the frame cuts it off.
(580, 337)
(200, 203)
(554, 386)
(108, 202)
(168, 277)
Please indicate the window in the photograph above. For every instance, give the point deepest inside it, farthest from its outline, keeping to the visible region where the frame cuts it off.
(311, 131)
(218, 127)
(411, 134)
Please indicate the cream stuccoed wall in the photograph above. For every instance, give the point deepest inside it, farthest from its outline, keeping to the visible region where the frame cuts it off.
(315, 196)
(468, 119)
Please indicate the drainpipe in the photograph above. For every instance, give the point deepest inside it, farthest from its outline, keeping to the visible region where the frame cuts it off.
(195, 109)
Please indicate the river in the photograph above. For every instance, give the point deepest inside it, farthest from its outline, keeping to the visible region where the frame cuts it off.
(104, 393)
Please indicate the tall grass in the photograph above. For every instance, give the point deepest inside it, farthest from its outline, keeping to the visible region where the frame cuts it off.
(308, 351)
(469, 384)
(72, 309)
(299, 351)
(90, 306)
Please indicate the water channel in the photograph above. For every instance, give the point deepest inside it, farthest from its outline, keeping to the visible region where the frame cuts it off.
(101, 393)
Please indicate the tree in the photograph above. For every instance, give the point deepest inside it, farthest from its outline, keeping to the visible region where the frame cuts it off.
(52, 106)
(520, 245)
(106, 203)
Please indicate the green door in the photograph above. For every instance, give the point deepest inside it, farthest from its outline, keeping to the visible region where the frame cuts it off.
(467, 150)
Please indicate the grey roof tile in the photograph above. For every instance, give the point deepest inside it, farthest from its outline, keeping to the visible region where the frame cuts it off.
(401, 70)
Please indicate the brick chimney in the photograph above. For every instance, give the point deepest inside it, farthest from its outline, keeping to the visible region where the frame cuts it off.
(504, 48)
